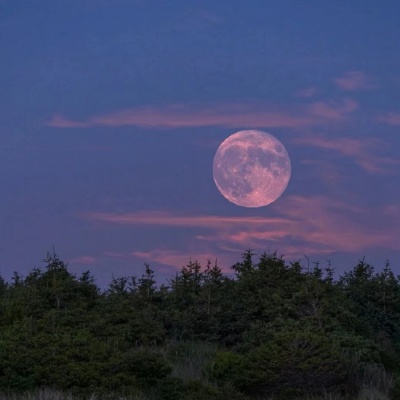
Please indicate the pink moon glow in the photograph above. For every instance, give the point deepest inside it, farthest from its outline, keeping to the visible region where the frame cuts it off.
(251, 168)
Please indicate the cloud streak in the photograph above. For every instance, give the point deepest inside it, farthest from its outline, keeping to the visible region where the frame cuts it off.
(316, 225)
(176, 258)
(337, 110)
(161, 218)
(83, 260)
(354, 80)
(391, 118)
(361, 151)
(226, 115)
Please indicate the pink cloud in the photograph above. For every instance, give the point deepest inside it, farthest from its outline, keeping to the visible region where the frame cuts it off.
(178, 259)
(392, 210)
(391, 118)
(180, 116)
(60, 122)
(317, 224)
(322, 226)
(354, 80)
(175, 258)
(114, 254)
(83, 260)
(361, 151)
(331, 225)
(163, 218)
(336, 110)
(227, 115)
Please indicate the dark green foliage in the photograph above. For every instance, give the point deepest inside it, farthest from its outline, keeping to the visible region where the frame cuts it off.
(226, 367)
(146, 365)
(294, 363)
(273, 329)
(170, 389)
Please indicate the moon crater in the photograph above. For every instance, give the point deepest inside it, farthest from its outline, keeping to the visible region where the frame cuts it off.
(251, 168)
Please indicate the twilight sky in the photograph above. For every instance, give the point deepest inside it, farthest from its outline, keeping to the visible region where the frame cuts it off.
(111, 112)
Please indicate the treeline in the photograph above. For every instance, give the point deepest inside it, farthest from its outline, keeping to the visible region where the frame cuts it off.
(274, 329)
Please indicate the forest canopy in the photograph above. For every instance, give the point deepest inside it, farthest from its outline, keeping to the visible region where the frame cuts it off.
(272, 329)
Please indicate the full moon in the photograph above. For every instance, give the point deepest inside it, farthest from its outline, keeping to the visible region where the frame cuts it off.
(251, 168)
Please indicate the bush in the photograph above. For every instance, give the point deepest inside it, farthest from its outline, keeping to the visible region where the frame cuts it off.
(225, 366)
(146, 365)
(292, 364)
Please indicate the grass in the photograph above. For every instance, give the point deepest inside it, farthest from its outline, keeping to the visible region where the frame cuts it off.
(51, 394)
(190, 362)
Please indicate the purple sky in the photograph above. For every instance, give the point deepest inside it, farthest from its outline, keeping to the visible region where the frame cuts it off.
(111, 113)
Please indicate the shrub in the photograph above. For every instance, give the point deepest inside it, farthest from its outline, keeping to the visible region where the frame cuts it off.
(225, 366)
(292, 364)
(146, 365)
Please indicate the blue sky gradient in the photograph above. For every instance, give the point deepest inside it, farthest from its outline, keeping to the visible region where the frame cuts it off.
(111, 113)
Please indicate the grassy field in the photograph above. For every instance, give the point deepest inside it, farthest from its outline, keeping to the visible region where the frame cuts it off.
(190, 360)
(50, 394)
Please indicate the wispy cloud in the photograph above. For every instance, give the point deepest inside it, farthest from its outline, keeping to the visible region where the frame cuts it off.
(317, 225)
(391, 118)
(354, 80)
(176, 258)
(83, 260)
(181, 116)
(335, 110)
(324, 167)
(362, 151)
(307, 92)
(328, 225)
(227, 115)
(167, 219)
